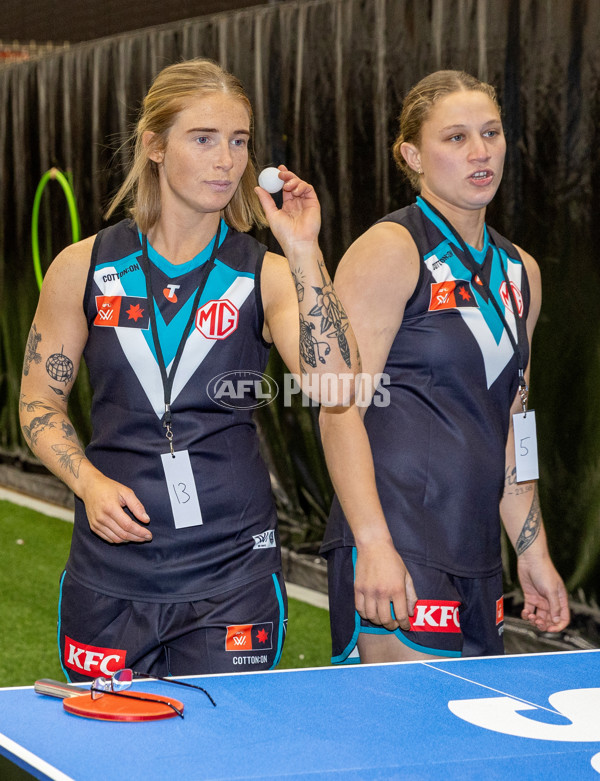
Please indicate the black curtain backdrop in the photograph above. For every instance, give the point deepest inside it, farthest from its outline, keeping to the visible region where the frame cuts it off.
(327, 79)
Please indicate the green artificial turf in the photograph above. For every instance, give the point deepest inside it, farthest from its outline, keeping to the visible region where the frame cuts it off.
(33, 552)
(308, 641)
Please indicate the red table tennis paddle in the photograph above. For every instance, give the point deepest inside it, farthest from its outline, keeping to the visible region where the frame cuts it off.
(110, 706)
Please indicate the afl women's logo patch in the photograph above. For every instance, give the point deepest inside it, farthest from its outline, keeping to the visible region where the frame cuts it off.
(451, 294)
(217, 319)
(122, 312)
(505, 296)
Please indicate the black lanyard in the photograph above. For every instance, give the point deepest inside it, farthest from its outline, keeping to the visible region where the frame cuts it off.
(517, 344)
(167, 379)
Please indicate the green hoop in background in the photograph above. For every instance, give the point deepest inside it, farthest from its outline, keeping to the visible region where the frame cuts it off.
(64, 182)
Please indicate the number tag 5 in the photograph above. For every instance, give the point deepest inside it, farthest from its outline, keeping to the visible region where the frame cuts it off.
(182, 489)
(526, 455)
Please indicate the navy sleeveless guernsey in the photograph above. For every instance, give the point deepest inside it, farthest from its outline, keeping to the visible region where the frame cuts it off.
(439, 445)
(237, 541)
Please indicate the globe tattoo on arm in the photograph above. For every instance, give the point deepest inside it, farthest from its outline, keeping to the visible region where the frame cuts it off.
(333, 325)
(531, 527)
(60, 368)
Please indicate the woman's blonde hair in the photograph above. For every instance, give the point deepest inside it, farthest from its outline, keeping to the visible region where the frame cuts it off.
(418, 104)
(166, 98)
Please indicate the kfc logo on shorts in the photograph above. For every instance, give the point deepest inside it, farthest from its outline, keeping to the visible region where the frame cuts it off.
(92, 660)
(499, 611)
(505, 296)
(217, 319)
(249, 637)
(435, 616)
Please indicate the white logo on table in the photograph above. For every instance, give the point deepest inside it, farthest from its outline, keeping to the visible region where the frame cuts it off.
(502, 714)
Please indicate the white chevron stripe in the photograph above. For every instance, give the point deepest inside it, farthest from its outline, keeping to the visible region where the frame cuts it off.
(140, 357)
(495, 356)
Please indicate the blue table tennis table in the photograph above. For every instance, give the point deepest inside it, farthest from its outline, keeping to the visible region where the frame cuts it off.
(535, 716)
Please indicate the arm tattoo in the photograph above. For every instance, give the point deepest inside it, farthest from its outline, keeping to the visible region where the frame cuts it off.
(310, 346)
(37, 425)
(69, 431)
(511, 486)
(60, 368)
(32, 406)
(31, 351)
(69, 457)
(59, 392)
(334, 320)
(531, 527)
(297, 277)
(510, 477)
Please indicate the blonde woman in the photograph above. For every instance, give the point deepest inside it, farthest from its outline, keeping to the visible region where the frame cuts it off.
(175, 562)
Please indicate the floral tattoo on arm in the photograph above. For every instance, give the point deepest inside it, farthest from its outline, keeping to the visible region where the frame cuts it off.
(69, 457)
(333, 324)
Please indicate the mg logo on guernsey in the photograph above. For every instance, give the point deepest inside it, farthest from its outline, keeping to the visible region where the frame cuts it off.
(435, 616)
(92, 660)
(217, 319)
(505, 296)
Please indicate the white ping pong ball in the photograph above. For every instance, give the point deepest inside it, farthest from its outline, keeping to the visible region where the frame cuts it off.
(269, 180)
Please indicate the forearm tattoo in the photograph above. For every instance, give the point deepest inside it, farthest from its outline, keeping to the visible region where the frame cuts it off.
(37, 426)
(512, 487)
(31, 352)
(333, 324)
(311, 348)
(69, 431)
(70, 454)
(69, 457)
(298, 282)
(531, 527)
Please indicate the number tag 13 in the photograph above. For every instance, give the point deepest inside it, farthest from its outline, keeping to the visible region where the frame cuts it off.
(526, 455)
(182, 489)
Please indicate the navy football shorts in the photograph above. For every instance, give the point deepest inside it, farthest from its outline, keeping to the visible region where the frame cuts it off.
(454, 616)
(238, 631)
